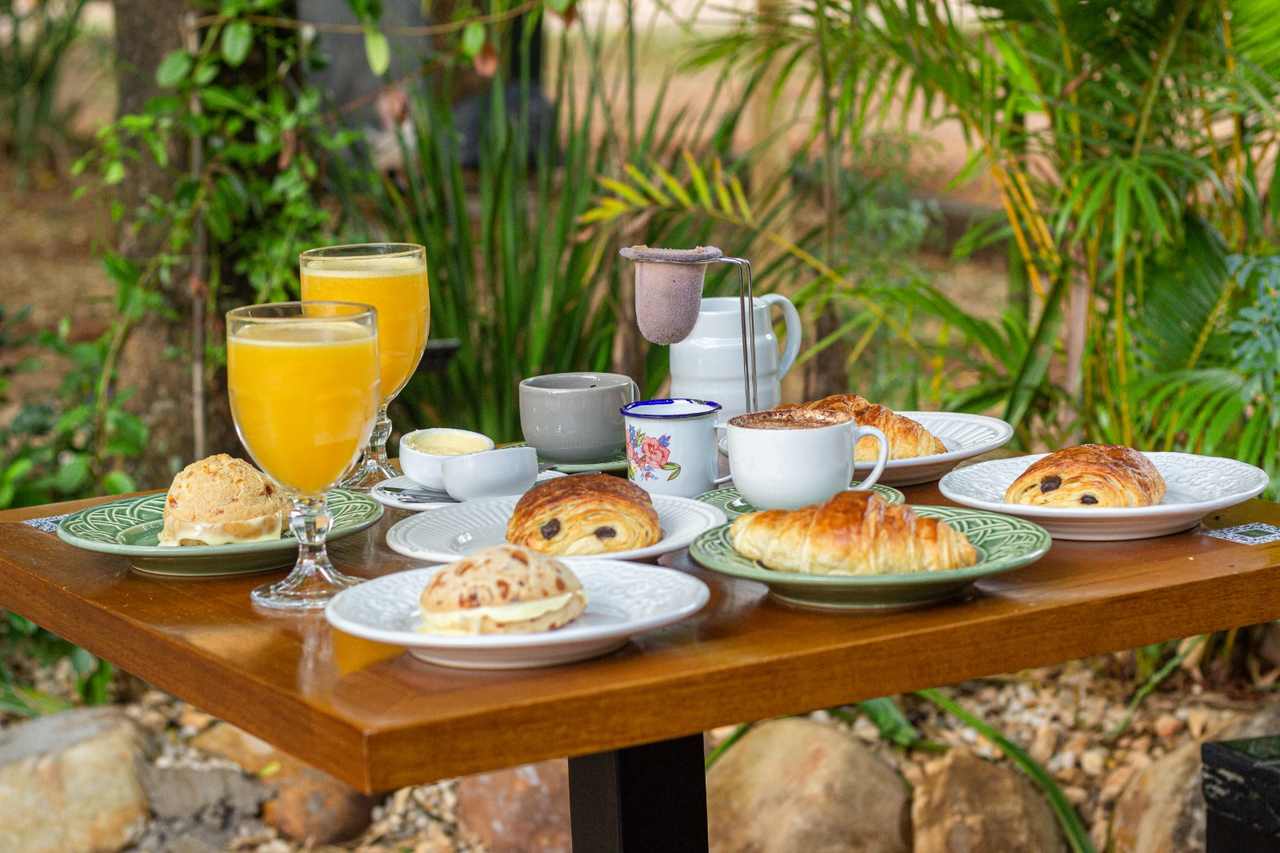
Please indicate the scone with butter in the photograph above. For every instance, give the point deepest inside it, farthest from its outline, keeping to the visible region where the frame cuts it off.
(501, 590)
(220, 500)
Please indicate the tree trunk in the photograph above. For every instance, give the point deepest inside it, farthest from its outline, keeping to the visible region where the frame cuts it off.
(155, 364)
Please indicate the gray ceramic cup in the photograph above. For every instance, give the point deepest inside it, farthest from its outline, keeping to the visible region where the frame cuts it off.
(575, 417)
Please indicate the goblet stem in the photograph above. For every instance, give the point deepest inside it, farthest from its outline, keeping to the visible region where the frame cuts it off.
(313, 580)
(372, 468)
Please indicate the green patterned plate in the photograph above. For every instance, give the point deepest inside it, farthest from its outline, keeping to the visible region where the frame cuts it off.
(734, 505)
(131, 527)
(616, 463)
(1003, 543)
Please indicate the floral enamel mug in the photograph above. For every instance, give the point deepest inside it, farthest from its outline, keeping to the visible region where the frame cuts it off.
(671, 445)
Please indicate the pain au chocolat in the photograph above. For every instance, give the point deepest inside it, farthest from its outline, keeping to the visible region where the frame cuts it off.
(907, 439)
(853, 533)
(1089, 475)
(584, 514)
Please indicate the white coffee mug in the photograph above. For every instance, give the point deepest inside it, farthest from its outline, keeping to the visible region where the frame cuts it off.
(671, 445)
(790, 459)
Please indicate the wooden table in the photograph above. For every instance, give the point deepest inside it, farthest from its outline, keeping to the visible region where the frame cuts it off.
(630, 722)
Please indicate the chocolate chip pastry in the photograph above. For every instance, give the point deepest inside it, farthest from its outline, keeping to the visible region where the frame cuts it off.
(584, 514)
(1089, 475)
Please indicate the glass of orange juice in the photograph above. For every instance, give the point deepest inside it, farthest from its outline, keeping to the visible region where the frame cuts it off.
(391, 277)
(305, 386)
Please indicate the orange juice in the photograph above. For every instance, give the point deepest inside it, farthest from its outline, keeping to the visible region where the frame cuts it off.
(398, 288)
(304, 396)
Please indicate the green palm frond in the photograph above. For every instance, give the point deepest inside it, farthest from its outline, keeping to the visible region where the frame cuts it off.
(1188, 292)
(1256, 30)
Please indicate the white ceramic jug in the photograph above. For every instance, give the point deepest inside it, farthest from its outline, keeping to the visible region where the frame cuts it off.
(707, 365)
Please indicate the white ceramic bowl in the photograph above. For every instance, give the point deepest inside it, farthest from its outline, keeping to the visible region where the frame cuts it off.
(426, 468)
(490, 473)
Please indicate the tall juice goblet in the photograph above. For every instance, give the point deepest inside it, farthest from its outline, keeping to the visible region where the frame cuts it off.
(304, 383)
(392, 277)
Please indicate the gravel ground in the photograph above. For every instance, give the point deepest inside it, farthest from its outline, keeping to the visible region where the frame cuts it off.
(1062, 715)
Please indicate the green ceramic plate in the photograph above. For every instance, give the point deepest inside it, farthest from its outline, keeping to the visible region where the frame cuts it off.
(1003, 543)
(130, 527)
(735, 505)
(616, 463)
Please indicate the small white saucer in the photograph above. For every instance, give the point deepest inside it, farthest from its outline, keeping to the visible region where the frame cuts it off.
(402, 482)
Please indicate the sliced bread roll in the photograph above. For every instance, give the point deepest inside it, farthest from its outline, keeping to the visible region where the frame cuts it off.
(506, 589)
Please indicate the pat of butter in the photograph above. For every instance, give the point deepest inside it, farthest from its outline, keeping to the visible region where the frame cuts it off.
(467, 620)
(448, 443)
(270, 528)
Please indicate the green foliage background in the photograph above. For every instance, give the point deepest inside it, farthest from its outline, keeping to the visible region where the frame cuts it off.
(1132, 150)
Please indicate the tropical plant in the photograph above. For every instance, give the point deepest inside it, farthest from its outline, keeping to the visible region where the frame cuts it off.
(513, 276)
(22, 638)
(1127, 150)
(35, 39)
(71, 441)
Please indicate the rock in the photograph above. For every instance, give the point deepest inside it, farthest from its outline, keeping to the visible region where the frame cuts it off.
(308, 804)
(192, 844)
(235, 744)
(1093, 761)
(70, 781)
(314, 807)
(967, 804)
(1197, 722)
(186, 792)
(1167, 725)
(795, 785)
(194, 720)
(1046, 741)
(434, 840)
(1153, 813)
(1115, 782)
(523, 808)
(1162, 808)
(153, 720)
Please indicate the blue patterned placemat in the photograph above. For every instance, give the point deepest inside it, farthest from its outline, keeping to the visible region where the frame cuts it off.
(48, 524)
(1254, 533)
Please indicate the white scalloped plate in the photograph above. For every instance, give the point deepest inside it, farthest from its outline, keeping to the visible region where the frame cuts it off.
(964, 435)
(1197, 486)
(623, 599)
(450, 532)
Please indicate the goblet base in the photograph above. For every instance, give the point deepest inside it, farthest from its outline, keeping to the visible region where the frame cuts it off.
(372, 467)
(302, 590)
(367, 473)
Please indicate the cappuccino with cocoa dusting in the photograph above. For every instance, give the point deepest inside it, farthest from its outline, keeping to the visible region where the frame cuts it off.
(788, 419)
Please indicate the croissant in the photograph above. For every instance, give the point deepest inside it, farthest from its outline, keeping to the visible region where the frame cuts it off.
(1101, 475)
(854, 533)
(907, 439)
(584, 514)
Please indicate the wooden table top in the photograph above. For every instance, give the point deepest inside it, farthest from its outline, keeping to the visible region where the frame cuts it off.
(379, 719)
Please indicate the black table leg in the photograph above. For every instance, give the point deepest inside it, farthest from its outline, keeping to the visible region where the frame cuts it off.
(1241, 784)
(640, 799)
